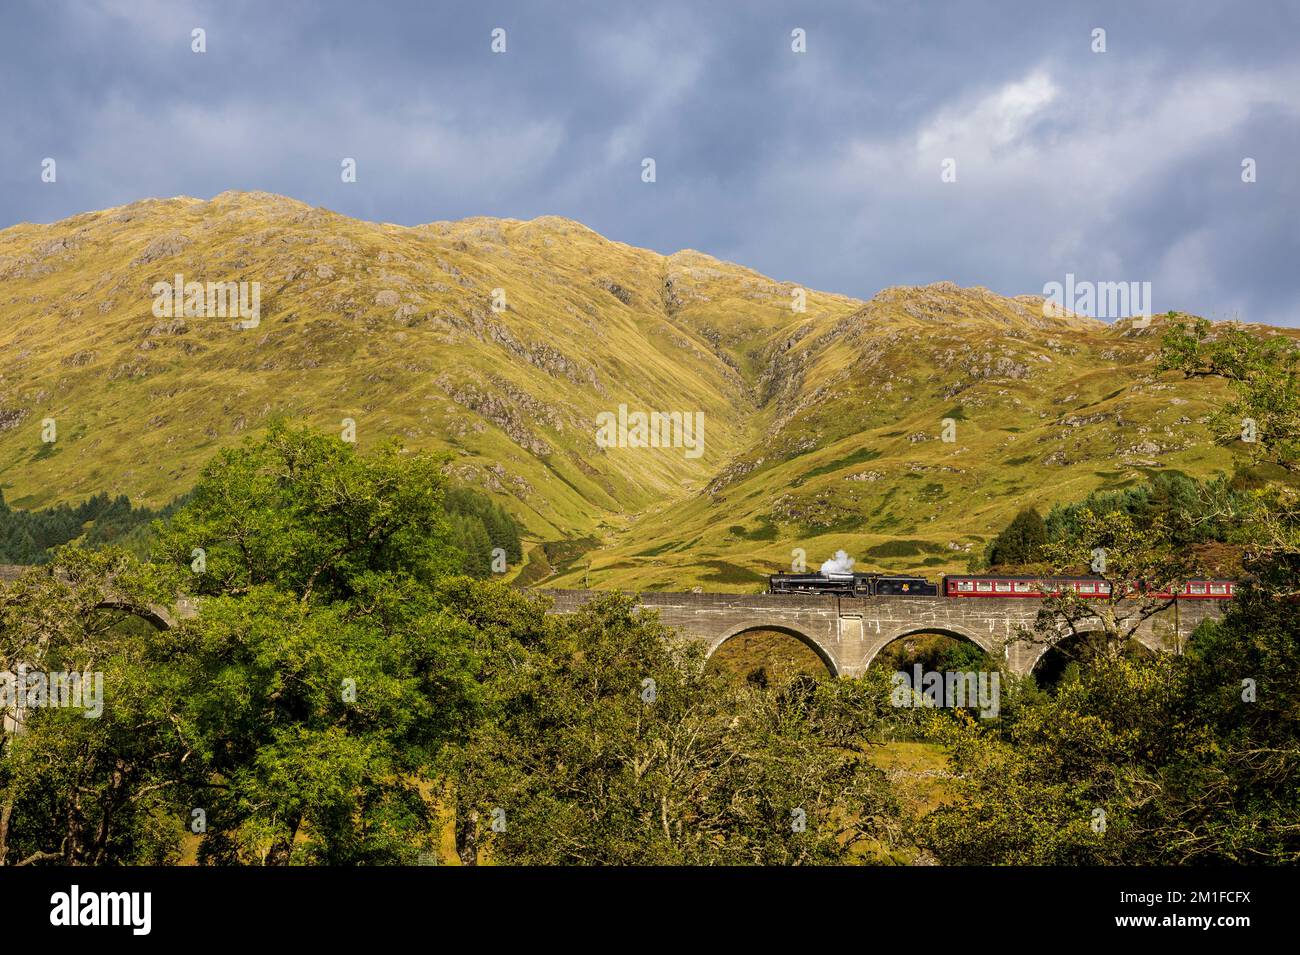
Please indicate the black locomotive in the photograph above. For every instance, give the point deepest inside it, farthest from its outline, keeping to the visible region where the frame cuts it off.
(852, 585)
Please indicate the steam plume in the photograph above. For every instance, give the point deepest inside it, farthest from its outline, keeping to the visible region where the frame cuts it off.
(841, 563)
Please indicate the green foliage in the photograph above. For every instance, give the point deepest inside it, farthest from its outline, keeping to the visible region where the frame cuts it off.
(30, 537)
(964, 655)
(78, 790)
(615, 746)
(1178, 502)
(1020, 543)
(1188, 513)
(932, 651)
(1185, 770)
(1265, 377)
(328, 674)
(1265, 373)
(479, 526)
(306, 513)
(316, 718)
(301, 706)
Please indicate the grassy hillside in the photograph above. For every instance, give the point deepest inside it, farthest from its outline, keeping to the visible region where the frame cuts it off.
(854, 456)
(823, 427)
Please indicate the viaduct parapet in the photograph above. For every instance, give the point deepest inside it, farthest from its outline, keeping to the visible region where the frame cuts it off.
(848, 632)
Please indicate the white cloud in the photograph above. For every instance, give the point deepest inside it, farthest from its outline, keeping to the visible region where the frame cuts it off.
(1054, 175)
(996, 120)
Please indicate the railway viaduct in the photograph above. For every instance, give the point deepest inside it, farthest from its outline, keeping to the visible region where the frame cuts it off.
(848, 632)
(164, 618)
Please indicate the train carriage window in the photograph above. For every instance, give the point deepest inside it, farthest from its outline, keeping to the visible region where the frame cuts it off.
(1218, 589)
(1198, 588)
(1086, 587)
(1022, 587)
(1003, 587)
(984, 587)
(965, 586)
(1103, 588)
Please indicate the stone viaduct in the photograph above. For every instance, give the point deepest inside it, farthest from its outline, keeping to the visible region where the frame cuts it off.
(164, 618)
(848, 632)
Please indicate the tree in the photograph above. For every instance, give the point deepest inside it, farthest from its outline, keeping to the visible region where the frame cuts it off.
(506, 627)
(1142, 567)
(1264, 371)
(326, 673)
(481, 526)
(471, 539)
(1167, 760)
(89, 777)
(1021, 541)
(305, 512)
(30, 537)
(316, 721)
(613, 745)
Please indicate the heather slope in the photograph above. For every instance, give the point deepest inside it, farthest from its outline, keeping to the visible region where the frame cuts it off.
(824, 427)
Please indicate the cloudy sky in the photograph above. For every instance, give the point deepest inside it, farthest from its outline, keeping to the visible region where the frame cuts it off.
(822, 167)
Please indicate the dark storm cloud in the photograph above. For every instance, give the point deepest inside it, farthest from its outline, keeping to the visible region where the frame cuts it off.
(821, 168)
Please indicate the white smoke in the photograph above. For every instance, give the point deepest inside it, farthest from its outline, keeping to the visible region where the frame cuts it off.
(841, 563)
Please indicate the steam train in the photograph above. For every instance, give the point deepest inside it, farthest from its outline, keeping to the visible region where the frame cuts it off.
(960, 586)
(852, 585)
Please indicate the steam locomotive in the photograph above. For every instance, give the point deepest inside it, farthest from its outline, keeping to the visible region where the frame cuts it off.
(959, 586)
(852, 585)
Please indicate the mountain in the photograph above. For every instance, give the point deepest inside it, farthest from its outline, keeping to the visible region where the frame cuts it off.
(502, 341)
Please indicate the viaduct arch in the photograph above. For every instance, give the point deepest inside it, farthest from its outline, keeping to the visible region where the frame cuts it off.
(163, 618)
(828, 660)
(951, 630)
(849, 632)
